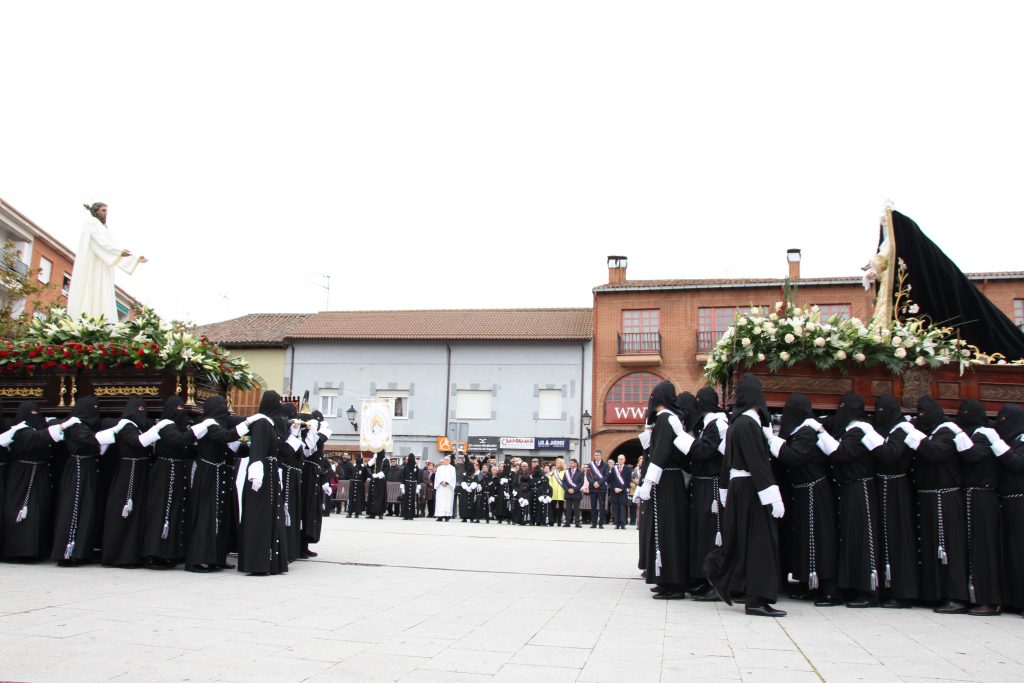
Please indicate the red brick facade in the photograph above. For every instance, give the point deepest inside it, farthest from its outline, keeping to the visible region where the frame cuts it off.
(678, 303)
(62, 262)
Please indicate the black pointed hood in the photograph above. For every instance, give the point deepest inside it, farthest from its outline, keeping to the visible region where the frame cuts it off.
(88, 411)
(135, 410)
(929, 414)
(888, 414)
(28, 412)
(686, 405)
(1010, 422)
(707, 401)
(851, 408)
(971, 415)
(174, 410)
(216, 408)
(664, 394)
(797, 409)
(750, 395)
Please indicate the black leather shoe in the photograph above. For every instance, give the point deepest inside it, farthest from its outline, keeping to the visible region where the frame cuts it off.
(658, 589)
(705, 596)
(765, 611)
(197, 568)
(593, 526)
(311, 553)
(828, 601)
(893, 603)
(984, 611)
(860, 604)
(579, 526)
(951, 607)
(670, 595)
(803, 595)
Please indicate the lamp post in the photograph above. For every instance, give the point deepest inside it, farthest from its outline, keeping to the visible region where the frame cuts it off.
(586, 420)
(351, 415)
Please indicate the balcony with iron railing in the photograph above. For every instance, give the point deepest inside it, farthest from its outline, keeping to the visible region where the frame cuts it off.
(639, 348)
(706, 340)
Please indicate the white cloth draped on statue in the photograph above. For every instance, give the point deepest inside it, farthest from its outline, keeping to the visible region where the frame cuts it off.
(92, 280)
(444, 498)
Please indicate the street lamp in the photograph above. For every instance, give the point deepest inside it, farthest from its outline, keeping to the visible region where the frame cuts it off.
(351, 415)
(587, 420)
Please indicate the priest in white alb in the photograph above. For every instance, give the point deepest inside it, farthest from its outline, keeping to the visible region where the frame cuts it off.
(92, 280)
(444, 490)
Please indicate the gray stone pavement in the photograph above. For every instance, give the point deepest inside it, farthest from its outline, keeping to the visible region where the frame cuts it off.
(424, 601)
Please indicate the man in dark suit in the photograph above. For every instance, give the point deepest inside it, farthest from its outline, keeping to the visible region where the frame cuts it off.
(618, 491)
(597, 478)
(573, 485)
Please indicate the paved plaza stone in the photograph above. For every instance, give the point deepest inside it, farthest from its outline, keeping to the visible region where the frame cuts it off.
(393, 600)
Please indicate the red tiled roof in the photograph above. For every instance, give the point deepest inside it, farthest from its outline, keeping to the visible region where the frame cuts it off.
(528, 324)
(255, 329)
(732, 283)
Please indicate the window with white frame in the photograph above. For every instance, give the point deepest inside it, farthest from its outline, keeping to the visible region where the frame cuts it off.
(329, 402)
(65, 284)
(550, 404)
(400, 404)
(45, 270)
(472, 404)
(1018, 313)
(829, 310)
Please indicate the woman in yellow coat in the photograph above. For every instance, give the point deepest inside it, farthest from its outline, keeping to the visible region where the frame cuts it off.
(557, 492)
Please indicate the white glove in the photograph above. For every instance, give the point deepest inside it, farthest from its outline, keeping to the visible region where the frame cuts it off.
(150, 436)
(200, 430)
(70, 422)
(643, 492)
(645, 439)
(872, 439)
(507, 496)
(963, 442)
(812, 423)
(775, 444)
(373, 461)
(503, 481)
(465, 487)
(401, 487)
(778, 509)
(989, 433)
(417, 488)
(121, 424)
(914, 438)
(827, 443)
(327, 489)
(768, 432)
(255, 475)
(523, 502)
(242, 429)
(295, 430)
(379, 475)
(163, 423)
(491, 499)
(903, 426)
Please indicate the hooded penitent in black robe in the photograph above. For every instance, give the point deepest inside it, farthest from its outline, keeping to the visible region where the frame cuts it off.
(811, 519)
(521, 511)
(668, 563)
(940, 506)
(411, 476)
(482, 502)
(1010, 429)
(981, 504)
(853, 469)
(503, 490)
(263, 541)
(124, 518)
(75, 519)
(357, 489)
(163, 538)
(644, 507)
(540, 489)
(27, 507)
(211, 514)
(315, 473)
(377, 503)
(704, 462)
(897, 537)
(748, 561)
(290, 456)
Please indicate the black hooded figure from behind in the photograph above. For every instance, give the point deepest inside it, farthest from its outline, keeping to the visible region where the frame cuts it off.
(849, 445)
(290, 458)
(938, 477)
(664, 485)
(811, 520)
(897, 532)
(211, 515)
(315, 474)
(27, 499)
(983, 516)
(748, 561)
(410, 487)
(263, 541)
(76, 515)
(164, 535)
(124, 518)
(1008, 444)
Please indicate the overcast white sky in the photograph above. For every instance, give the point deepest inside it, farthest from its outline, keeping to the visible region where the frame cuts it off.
(476, 154)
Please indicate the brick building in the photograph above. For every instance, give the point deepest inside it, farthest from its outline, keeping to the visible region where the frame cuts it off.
(649, 330)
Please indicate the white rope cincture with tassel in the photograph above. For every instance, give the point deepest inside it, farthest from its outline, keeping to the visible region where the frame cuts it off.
(167, 509)
(23, 512)
(73, 531)
(129, 505)
(871, 535)
(657, 543)
(970, 555)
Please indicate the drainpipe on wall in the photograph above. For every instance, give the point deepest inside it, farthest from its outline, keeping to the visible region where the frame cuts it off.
(291, 373)
(447, 387)
(583, 375)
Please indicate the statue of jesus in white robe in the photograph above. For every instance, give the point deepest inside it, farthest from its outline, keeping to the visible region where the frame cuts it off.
(92, 279)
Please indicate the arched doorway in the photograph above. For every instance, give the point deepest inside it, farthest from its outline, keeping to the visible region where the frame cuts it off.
(630, 448)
